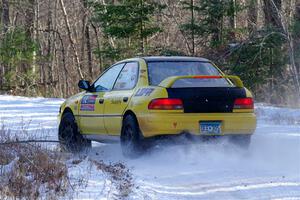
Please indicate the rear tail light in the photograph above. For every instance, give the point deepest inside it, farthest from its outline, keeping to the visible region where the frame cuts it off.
(244, 103)
(166, 104)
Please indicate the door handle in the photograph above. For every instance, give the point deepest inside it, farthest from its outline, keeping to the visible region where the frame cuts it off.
(101, 101)
(125, 99)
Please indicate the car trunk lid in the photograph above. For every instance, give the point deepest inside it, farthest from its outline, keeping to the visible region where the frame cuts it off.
(206, 99)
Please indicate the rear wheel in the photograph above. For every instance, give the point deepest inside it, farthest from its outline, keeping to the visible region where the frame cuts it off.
(131, 139)
(242, 141)
(69, 137)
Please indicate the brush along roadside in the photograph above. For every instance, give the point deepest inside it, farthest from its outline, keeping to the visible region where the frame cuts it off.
(30, 171)
(33, 169)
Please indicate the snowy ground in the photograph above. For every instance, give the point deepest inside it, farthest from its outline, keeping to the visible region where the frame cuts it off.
(270, 169)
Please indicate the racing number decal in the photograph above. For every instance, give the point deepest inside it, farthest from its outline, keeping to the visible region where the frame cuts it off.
(88, 103)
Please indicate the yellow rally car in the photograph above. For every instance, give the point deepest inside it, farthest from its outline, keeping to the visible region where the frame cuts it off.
(144, 97)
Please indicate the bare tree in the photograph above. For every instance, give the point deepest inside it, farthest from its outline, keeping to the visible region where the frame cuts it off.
(252, 16)
(5, 15)
(71, 39)
(286, 32)
(5, 25)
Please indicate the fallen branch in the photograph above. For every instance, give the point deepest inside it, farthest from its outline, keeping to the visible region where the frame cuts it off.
(29, 141)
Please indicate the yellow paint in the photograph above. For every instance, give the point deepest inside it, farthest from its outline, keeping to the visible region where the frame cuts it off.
(168, 82)
(88, 123)
(163, 123)
(156, 122)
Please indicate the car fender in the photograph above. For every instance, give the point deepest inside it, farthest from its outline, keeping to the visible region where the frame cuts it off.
(72, 103)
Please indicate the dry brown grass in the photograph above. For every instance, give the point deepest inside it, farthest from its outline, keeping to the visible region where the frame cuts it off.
(29, 171)
(119, 174)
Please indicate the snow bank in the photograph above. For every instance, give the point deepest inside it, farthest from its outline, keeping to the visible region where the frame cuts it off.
(278, 115)
(269, 169)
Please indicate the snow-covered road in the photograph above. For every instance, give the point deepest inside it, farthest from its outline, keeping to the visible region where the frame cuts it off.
(270, 169)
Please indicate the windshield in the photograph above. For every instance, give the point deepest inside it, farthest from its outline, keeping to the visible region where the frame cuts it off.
(160, 70)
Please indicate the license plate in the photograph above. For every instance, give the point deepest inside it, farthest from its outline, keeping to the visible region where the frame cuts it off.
(210, 128)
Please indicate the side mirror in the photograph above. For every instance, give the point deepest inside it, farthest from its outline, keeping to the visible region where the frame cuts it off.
(85, 85)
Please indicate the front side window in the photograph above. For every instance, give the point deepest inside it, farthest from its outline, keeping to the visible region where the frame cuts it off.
(128, 77)
(160, 70)
(107, 80)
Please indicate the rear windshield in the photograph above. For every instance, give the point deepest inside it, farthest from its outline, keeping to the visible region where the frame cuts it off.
(160, 70)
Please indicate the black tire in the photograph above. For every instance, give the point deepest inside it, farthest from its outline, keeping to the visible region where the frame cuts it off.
(131, 138)
(242, 141)
(69, 137)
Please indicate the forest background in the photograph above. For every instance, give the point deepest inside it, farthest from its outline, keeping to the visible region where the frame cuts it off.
(46, 46)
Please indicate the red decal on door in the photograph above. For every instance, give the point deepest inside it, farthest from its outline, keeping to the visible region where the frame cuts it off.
(88, 103)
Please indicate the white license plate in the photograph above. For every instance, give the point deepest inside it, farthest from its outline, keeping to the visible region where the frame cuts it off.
(210, 128)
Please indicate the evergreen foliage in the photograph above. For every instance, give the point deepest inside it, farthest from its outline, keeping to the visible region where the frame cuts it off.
(42, 51)
(128, 21)
(16, 50)
(261, 62)
(209, 17)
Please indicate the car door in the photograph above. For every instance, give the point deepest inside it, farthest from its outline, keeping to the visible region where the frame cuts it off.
(116, 101)
(91, 106)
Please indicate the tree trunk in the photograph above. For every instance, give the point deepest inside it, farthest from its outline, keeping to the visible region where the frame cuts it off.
(5, 15)
(297, 39)
(98, 47)
(142, 27)
(252, 16)
(284, 26)
(5, 25)
(271, 14)
(86, 41)
(232, 21)
(217, 27)
(193, 27)
(35, 37)
(89, 51)
(71, 39)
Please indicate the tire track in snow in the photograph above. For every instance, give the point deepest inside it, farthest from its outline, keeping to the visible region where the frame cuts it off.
(204, 190)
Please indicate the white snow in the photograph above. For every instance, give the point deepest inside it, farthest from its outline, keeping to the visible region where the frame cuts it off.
(270, 169)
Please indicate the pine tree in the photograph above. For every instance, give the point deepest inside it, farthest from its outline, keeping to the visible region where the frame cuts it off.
(260, 62)
(16, 50)
(207, 21)
(128, 22)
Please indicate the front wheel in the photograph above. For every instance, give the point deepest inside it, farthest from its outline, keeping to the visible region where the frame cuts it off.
(131, 138)
(69, 137)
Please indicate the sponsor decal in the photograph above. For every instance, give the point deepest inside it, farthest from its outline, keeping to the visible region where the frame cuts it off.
(87, 107)
(88, 103)
(144, 92)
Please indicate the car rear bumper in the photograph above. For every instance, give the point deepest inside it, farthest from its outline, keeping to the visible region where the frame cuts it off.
(155, 124)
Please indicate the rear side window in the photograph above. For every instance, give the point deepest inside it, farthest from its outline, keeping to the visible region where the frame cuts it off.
(128, 77)
(160, 70)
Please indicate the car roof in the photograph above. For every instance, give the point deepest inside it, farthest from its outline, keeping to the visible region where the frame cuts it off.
(166, 59)
(174, 58)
